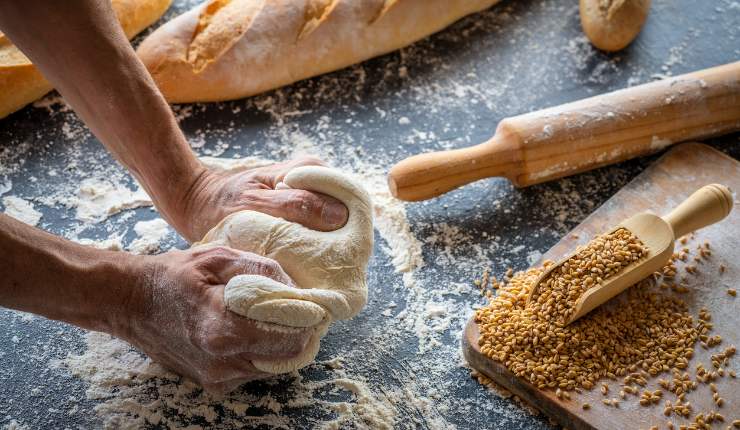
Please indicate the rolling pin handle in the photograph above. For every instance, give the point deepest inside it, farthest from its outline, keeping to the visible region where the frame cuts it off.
(428, 175)
(706, 206)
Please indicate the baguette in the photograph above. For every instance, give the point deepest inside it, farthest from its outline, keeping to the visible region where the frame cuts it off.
(229, 49)
(21, 83)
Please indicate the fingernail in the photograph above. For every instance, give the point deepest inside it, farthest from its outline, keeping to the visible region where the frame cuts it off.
(335, 214)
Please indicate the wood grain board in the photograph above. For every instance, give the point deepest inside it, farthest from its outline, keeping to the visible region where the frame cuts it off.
(658, 189)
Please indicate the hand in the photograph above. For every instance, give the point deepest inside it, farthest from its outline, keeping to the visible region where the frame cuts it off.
(216, 195)
(177, 316)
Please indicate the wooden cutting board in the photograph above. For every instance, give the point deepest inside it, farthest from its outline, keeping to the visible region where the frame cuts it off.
(658, 189)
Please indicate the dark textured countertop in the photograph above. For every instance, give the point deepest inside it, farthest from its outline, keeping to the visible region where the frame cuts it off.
(399, 360)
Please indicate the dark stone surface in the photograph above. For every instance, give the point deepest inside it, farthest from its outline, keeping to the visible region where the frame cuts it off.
(518, 56)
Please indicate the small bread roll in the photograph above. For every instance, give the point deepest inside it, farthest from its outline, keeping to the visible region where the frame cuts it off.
(611, 25)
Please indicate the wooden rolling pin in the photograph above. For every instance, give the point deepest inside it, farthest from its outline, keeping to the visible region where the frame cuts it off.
(583, 135)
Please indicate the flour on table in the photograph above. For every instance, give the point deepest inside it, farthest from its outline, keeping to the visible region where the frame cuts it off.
(135, 392)
(21, 209)
(149, 234)
(15, 425)
(97, 199)
(5, 186)
(112, 243)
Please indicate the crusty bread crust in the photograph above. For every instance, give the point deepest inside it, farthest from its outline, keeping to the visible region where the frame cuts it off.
(21, 83)
(229, 49)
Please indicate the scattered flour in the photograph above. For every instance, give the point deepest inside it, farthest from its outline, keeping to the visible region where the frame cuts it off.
(112, 243)
(5, 186)
(533, 257)
(15, 425)
(21, 209)
(150, 233)
(136, 392)
(98, 199)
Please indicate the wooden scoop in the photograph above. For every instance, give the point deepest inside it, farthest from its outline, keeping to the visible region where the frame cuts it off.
(706, 206)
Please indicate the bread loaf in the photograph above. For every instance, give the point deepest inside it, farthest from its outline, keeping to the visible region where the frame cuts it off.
(229, 49)
(21, 83)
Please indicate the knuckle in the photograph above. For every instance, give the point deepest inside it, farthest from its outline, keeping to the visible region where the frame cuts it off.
(310, 160)
(305, 202)
(219, 254)
(251, 198)
(222, 251)
(211, 252)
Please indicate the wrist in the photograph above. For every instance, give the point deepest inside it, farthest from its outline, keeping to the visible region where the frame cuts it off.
(121, 285)
(186, 208)
(109, 282)
(177, 196)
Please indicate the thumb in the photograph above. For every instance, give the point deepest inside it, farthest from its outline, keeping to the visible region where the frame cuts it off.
(313, 210)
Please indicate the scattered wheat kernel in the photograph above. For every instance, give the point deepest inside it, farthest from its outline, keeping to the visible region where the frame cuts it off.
(732, 292)
(586, 406)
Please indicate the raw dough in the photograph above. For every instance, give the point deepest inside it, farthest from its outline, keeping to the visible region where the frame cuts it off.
(327, 267)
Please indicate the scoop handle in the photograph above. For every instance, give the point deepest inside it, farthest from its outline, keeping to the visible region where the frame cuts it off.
(706, 206)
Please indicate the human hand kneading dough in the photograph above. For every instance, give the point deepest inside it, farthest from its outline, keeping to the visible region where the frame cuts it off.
(219, 194)
(179, 318)
(171, 305)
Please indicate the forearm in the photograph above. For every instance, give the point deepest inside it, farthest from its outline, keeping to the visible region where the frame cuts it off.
(80, 48)
(62, 280)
